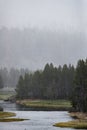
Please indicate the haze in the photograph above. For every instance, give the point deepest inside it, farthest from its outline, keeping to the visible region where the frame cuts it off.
(34, 32)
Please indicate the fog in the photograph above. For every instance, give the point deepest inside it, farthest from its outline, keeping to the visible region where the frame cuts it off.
(43, 13)
(34, 32)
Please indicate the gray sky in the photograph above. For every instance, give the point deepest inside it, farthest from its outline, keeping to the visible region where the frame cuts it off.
(42, 13)
(61, 38)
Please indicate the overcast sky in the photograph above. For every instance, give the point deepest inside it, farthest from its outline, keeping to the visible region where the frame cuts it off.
(42, 13)
(62, 16)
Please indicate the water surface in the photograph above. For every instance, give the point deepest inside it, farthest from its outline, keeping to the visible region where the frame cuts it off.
(39, 120)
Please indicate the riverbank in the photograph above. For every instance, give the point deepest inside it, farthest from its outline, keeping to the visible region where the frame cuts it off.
(80, 121)
(5, 117)
(49, 105)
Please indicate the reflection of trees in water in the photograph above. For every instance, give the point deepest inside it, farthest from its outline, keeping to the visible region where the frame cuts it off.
(6, 105)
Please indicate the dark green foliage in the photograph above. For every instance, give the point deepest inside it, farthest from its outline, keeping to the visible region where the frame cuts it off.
(79, 99)
(22, 87)
(51, 83)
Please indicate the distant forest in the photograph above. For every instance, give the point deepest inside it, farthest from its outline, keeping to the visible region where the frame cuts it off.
(9, 78)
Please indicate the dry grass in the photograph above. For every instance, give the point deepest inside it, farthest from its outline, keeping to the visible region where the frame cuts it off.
(54, 104)
(79, 115)
(12, 119)
(73, 124)
(6, 114)
(5, 117)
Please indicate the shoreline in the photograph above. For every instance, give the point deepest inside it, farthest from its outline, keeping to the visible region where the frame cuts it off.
(45, 105)
(9, 117)
(80, 121)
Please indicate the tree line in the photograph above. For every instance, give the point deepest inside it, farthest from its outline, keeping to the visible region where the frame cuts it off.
(50, 83)
(64, 82)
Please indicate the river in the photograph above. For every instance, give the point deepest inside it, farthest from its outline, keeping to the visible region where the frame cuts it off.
(39, 120)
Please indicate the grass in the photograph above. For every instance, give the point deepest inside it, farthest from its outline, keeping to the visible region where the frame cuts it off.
(12, 119)
(80, 123)
(54, 104)
(5, 117)
(79, 115)
(6, 114)
(6, 94)
(73, 124)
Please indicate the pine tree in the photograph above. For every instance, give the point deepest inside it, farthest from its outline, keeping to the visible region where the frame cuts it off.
(80, 90)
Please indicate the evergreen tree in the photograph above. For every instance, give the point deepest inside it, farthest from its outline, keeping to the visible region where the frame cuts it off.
(79, 99)
(51, 83)
(20, 88)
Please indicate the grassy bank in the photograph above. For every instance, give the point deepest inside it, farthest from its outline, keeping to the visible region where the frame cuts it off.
(79, 123)
(46, 104)
(79, 115)
(5, 117)
(73, 124)
(12, 119)
(6, 94)
(6, 114)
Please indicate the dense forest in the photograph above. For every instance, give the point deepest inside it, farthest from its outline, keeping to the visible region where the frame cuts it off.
(62, 82)
(50, 83)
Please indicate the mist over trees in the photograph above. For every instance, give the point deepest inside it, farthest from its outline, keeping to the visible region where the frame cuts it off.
(32, 48)
(9, 78)
(1, 82)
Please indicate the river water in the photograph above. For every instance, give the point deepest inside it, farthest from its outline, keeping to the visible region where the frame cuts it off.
(39, 120)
